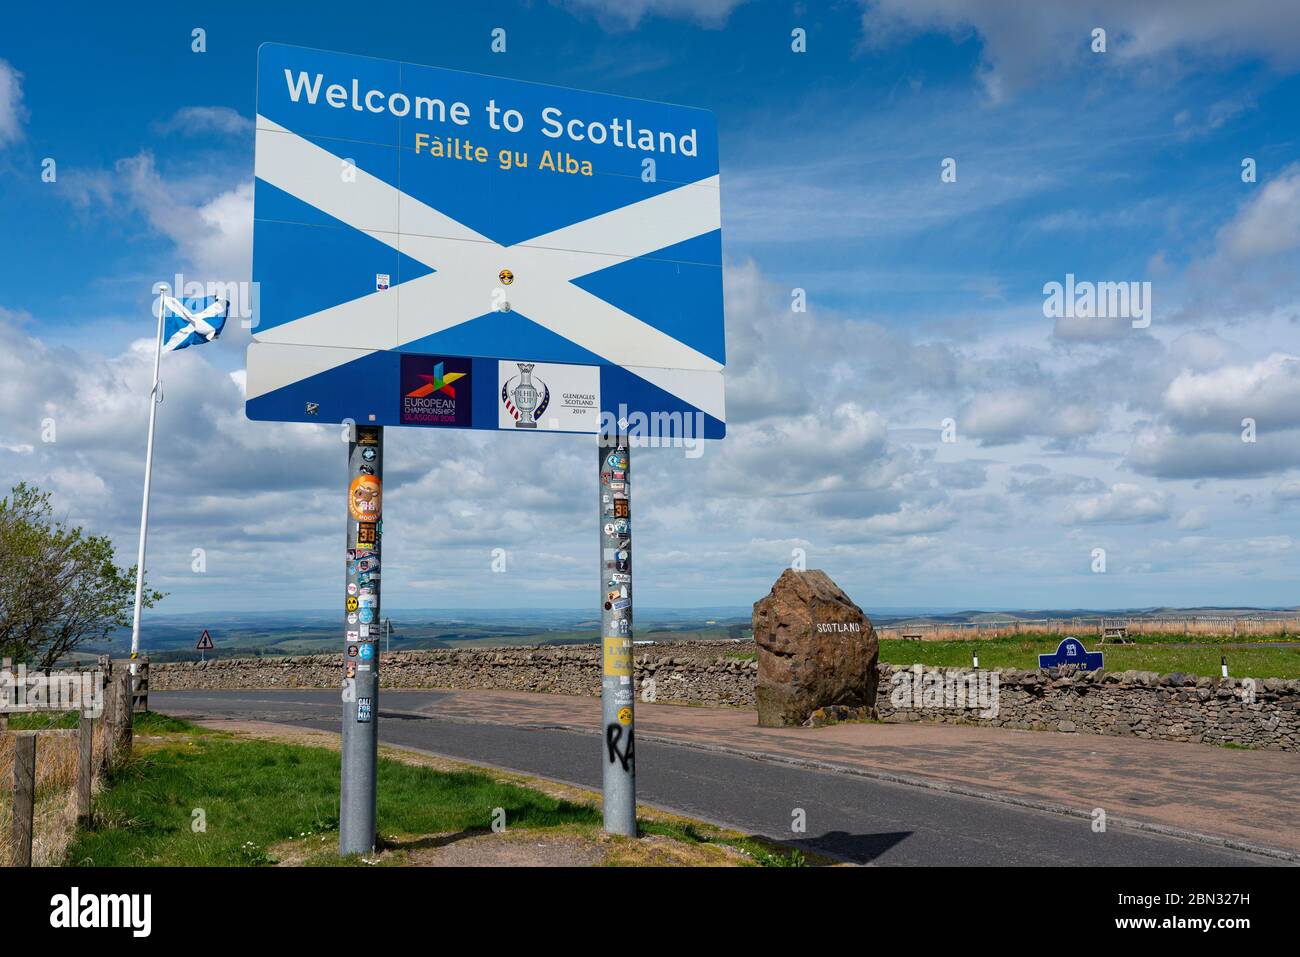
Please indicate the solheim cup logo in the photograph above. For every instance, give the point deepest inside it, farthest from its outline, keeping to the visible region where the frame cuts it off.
(523, 401)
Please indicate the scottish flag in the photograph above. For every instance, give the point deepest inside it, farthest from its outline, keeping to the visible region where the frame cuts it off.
(187, 322)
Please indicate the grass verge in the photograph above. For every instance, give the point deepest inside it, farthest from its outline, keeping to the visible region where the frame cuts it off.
(1149, 655)
(191, 796)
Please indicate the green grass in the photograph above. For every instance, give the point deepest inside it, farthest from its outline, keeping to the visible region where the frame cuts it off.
(255, 794)
(764, 852)
(43, 721)
(1146, 655)
(145, 723)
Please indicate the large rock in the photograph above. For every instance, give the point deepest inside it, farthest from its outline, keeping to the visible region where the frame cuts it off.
(816, 648)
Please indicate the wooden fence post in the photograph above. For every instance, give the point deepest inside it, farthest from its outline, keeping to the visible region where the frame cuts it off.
(24, 797)
(85, 766)
(140, 693)
(124, 711)
(4, 715)
(109, 723)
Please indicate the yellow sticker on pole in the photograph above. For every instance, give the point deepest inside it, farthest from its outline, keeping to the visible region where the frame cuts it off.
(618, 657)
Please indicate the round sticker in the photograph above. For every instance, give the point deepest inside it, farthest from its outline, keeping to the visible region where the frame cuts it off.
(365, 498)
(352, 603)
(624, 715)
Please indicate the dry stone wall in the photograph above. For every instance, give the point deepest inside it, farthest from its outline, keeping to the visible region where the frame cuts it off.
(1263, 713)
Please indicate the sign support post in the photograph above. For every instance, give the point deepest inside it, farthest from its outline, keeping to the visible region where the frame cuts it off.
(615, 302)
(618, 683)
(357, 833)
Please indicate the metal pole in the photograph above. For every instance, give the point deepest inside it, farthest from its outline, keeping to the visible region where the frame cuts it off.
(148, 477)
(618, 687)
(361, 640)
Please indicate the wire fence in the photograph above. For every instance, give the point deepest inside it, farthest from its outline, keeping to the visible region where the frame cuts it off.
(48, 770)
(1196, 626)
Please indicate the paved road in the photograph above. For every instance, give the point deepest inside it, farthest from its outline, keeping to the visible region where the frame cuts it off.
(859, 819)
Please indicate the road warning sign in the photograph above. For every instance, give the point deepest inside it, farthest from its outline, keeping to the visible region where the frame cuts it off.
(205, 642)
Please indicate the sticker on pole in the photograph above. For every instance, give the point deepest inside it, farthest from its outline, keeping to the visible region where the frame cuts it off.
(408, 217)
(618, 657)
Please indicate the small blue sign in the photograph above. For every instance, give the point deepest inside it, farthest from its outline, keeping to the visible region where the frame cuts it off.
(367, 652)
(1071, 653)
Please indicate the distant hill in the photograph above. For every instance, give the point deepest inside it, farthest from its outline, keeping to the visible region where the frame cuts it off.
(276, 633)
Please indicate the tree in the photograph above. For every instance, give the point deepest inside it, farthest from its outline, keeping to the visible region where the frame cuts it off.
(59, 587)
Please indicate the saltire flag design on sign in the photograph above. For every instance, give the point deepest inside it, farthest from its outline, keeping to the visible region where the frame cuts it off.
(510, 221)
(192, 321)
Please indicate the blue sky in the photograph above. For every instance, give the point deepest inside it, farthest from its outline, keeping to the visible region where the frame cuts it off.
(925, 303)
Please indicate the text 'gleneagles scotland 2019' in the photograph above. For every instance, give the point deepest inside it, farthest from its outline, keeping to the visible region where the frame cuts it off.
(618, 131)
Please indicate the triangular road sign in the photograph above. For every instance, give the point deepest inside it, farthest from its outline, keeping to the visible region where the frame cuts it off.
(205, 642)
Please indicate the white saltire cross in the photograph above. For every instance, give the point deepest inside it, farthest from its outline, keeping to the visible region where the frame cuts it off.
(195, 322)
(468, 264)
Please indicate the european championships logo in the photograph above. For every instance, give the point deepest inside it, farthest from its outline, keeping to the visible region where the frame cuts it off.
(524, 402)
(436, 383)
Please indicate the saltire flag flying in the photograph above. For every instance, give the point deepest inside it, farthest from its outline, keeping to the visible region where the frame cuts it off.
(189, 322)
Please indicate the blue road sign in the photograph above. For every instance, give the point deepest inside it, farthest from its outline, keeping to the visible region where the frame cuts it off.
(445, 249)
(1071, 652)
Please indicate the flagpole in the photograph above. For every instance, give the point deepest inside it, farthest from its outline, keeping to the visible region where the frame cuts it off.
(148, 475)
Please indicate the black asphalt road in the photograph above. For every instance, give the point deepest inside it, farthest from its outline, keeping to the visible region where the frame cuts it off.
(859, 819)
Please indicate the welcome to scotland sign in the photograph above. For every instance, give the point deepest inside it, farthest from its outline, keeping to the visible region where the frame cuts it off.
(437, 248)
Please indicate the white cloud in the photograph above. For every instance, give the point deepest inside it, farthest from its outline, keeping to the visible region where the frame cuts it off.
(197, 120)
(12, 113)
(1015, 415)
(210, 223)
(626, 14)
(1025, 40)
(1163, 452)
(1269, 223)
(1054, 484)
(1288, 491)
(1267, 391)
(1123, 504)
